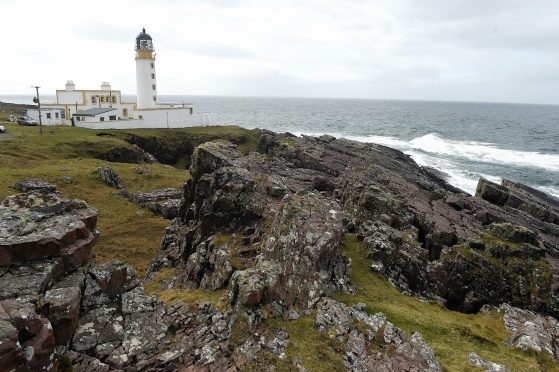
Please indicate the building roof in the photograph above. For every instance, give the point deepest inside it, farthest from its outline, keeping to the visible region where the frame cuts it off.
(143, 35)
(94, 111)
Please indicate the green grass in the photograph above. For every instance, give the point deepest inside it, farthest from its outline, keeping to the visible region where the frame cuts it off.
(127, 232)
(452, 335)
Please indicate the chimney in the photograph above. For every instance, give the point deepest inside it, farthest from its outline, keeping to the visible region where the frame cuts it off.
(70, 86)
(105, 85)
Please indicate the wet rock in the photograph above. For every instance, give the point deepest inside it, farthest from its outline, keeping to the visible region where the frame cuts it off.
(476, 361)
(110, 177)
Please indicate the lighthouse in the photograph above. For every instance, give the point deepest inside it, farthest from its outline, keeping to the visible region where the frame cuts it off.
(146, 86)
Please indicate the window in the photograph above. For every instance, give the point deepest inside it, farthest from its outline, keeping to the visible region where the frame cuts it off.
(153, 86)
(152, 65)
(154, 98)
(48, 115)
(102, 118)
(141, 117)
(114, 99)
(56, 115)
(112, 117)
(78, 118)
(124, 112)
(153, 76)
(93, 100)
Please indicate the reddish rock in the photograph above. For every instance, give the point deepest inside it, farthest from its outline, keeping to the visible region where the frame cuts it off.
(62, 307)
(11, 353)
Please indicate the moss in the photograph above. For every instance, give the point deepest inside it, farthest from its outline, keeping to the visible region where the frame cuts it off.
(157, 286)
(318, 351)
(452, 335)
(64, 364)
(240, 330)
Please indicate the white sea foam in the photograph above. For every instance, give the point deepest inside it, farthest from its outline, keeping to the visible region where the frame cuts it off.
(484, 152)
(549, 190)
(438, 152)
(462, 179)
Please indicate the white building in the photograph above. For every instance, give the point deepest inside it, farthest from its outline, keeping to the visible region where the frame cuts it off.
(49, 116)
(104, 108)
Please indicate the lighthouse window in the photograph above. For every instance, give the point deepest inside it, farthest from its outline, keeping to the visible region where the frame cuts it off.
(154, 98)
(153, 76)
(152, 65)
(153, 86)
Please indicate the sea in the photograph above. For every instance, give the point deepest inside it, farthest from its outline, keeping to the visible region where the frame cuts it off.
(465, 140)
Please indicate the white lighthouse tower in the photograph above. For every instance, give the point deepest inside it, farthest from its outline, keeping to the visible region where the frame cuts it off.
(145, 72)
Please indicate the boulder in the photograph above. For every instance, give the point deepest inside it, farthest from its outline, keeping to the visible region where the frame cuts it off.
(531, 331)
(476, 361)
(37, 225)
(110, 177)
(373, 343)
(62, 307)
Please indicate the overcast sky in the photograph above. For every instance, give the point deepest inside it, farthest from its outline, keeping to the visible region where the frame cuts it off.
(471, 50)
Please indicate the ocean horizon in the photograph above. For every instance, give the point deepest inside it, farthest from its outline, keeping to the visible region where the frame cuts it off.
(465, 140)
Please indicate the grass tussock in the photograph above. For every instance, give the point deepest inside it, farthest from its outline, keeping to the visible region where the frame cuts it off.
(156, 287)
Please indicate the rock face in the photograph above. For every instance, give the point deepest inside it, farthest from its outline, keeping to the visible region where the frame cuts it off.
(375, 345)
(110, 177)
(42, 224)
(427, 237)
(531, 331)
(476, 361)
(165, 202)
(55, 305)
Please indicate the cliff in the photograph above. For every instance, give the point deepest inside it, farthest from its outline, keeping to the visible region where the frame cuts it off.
(282, 258)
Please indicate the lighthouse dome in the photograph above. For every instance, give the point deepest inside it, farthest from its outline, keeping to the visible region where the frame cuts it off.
(144, 41)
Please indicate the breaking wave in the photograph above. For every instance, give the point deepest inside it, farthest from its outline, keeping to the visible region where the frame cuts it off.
(449, 156)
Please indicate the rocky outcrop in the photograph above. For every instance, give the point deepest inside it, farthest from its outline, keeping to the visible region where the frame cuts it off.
(295, 265)
(110, 177)
(165, 202)
(42, 224)
(59, 310)
(427, 237)
(520, 197)
(373, 343)
(531, 331)
(488, 366)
